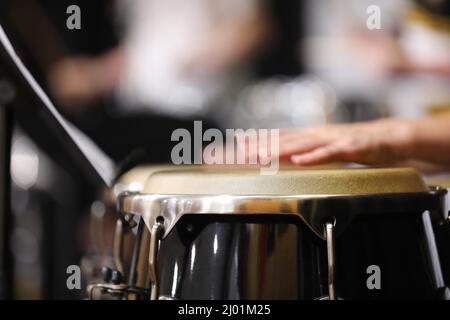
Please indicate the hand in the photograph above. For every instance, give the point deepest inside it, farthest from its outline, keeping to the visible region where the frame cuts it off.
(70, 81)
(377, 142)
(77, 81)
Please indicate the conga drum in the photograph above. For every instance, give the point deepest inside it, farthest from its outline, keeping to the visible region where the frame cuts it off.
(299, 234)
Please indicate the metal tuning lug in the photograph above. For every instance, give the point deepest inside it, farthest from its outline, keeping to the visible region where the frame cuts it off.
(331, 259)
(156, 233)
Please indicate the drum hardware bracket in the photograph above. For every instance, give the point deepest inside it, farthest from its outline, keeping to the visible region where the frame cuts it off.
(173, 207)
(331, 258)
(123, 225)
(118, 245)
(156, 234)
(446, 222)
(121, 290)
(113, 285)
(127, 219)
(137, 247)
(438, 277)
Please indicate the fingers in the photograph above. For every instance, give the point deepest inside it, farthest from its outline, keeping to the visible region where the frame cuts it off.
(290, 142)
(357, 143)
(305, 140)
(258, 148)
(299, 145)
(319, 155)
(309, 146)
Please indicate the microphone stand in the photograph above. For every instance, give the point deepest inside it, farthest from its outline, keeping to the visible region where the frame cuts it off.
(6, 218)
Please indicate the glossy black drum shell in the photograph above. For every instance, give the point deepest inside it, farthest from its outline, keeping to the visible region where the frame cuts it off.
(223, 257)
(233, 260)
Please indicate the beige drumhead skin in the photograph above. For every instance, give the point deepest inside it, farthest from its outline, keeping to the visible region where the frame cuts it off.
(286, 182)
(135, 179)
(140, 174)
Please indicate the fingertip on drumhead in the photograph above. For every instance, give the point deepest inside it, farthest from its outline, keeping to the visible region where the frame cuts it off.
(306, 160)
(300, 159)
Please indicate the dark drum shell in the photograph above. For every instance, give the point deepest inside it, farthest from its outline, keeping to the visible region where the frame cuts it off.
(212, 257)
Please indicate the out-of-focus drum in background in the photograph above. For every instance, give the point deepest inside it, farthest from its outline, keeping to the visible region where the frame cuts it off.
(112, 242)
(299, 234)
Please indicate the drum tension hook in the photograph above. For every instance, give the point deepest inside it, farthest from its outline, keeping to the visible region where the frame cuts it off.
(156, 234)
(331, 258)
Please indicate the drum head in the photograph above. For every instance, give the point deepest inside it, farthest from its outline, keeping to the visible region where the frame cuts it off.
(134, 180)
(286, 182)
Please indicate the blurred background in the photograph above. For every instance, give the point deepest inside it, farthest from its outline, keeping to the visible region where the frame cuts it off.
(138, 69)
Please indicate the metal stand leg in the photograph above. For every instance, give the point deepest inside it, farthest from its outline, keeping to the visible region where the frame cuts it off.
(6, 265)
